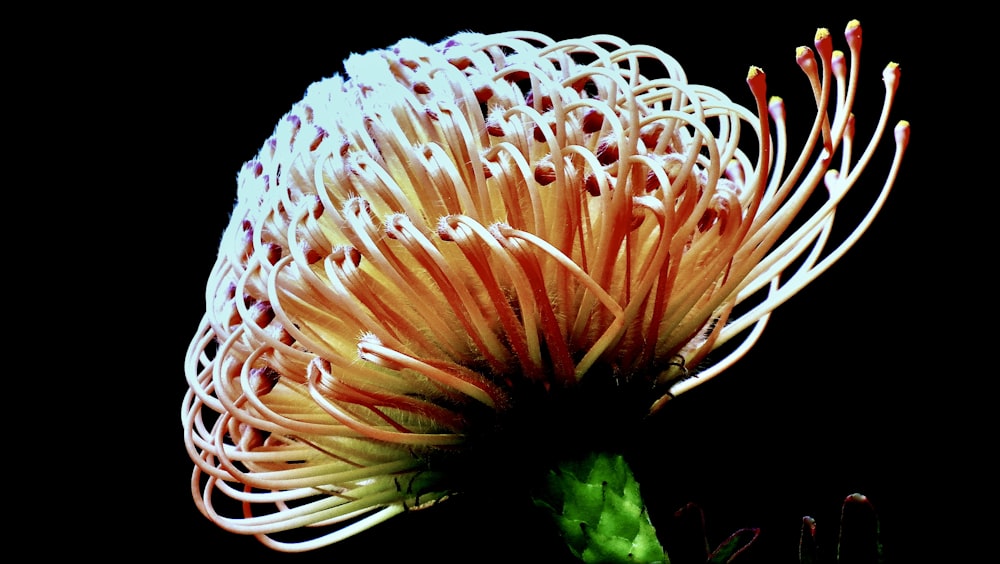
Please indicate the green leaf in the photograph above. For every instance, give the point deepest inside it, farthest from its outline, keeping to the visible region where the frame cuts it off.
(685, 540)
(733, 546)
(596, 504)
(859, 541)
(808, 549)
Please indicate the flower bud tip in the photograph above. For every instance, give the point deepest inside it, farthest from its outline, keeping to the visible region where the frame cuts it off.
(839, 62)
(890, 75)
(776, 107)
(902, 133)
(805, 59)
(853, 34)
(824, 43)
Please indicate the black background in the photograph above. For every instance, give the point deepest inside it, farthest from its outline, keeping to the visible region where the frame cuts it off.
(858, 384)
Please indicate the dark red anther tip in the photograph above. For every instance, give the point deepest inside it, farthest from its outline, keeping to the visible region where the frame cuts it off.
(592, 121)
(545, 173)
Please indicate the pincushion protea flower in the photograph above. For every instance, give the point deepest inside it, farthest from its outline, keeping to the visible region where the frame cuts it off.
(460, 229)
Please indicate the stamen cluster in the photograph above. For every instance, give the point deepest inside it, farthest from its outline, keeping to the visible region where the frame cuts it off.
(457, 224)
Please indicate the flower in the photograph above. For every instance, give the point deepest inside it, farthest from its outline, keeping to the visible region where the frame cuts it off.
(459, 230)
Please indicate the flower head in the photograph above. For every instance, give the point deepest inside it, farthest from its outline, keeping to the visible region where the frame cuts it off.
(457, 230)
